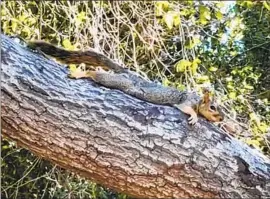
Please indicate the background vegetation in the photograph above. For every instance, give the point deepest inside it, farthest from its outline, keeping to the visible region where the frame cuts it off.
(186, 44)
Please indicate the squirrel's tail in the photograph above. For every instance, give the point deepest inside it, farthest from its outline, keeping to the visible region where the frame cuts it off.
(89, 57)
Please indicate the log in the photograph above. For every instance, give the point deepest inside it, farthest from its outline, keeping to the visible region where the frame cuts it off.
(123, 143)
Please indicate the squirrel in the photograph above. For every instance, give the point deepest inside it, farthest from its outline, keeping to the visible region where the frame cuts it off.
(188, 102)
(124, 80)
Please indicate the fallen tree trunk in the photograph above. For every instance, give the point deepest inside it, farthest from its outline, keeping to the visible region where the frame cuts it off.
(131, 146)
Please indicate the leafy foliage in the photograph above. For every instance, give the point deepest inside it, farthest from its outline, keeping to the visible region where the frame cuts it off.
(185, 44)
(26, 176)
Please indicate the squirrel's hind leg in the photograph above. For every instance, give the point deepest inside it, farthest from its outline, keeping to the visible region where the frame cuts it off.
(79, 74)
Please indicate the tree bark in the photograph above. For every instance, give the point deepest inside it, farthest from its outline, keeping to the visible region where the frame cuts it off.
(138, 148)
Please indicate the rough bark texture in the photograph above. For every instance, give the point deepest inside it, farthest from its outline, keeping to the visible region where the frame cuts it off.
(132, 146)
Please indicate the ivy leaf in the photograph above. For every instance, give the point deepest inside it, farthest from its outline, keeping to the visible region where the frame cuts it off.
(265, 4)
(193, 42)
(14, 25)
(213, 69)
(232, 95)
(254, 143)
(171, 19)
(181, 87)
(159, 11)
(163, 4)
(253, 117)
(249, 4)
(161, 7)
(22, 17)
(165, 82)
(182, 65)
(219, 15)
(184, 12)
(80, 18)
(249, 87)
(26, 30)
(168, 19)
(233, 53)
(263, 127)
(67, 44)
(31, 21)
(176, 20)
(202, 78)
(194, 65)
(220, 4)
(204, 15)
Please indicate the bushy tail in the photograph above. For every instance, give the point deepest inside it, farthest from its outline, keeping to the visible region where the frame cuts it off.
(89, 57)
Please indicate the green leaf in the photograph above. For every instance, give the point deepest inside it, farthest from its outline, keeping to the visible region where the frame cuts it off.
(203, 21)
(3, 12)
(14, 25)
(182, 65)
(249, 4)
(80, 18)
(193, 42)
(265, 4)
(235, 24)
(184, 12)
(220, 4)
(32, 21)
(177, 20)
(172, 18)
(232, 95)
(253, 117)
(161, 7)
(213, 69)
(229, 79)
(263, 127)
(231, 87)
(26, 30)
(168, 19)
(241, 98)
(254, 143)
(165, 82)
(194, 65)
(204, 15)
(196, 41)
(233, 53)
(239, 36)
(203, 78)
(159, 11)
(249, 87)
(181, 87)
(22, 17)
(163, 4)
(67, 44)
(103, 4)
(219, 15)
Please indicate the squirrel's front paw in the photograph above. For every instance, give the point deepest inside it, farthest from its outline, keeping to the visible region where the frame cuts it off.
(193, 119)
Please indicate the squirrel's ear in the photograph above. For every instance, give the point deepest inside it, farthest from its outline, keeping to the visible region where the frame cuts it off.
(206, 97)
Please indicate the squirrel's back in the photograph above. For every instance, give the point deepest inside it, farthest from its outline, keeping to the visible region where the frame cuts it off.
(142, 89)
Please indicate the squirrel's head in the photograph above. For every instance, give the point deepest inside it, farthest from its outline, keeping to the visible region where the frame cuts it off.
(209, 109)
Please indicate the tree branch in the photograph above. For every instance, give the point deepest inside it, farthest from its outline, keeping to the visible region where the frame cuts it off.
(126, 144)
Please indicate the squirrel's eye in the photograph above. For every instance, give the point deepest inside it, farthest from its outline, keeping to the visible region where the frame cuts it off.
(213, 108)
